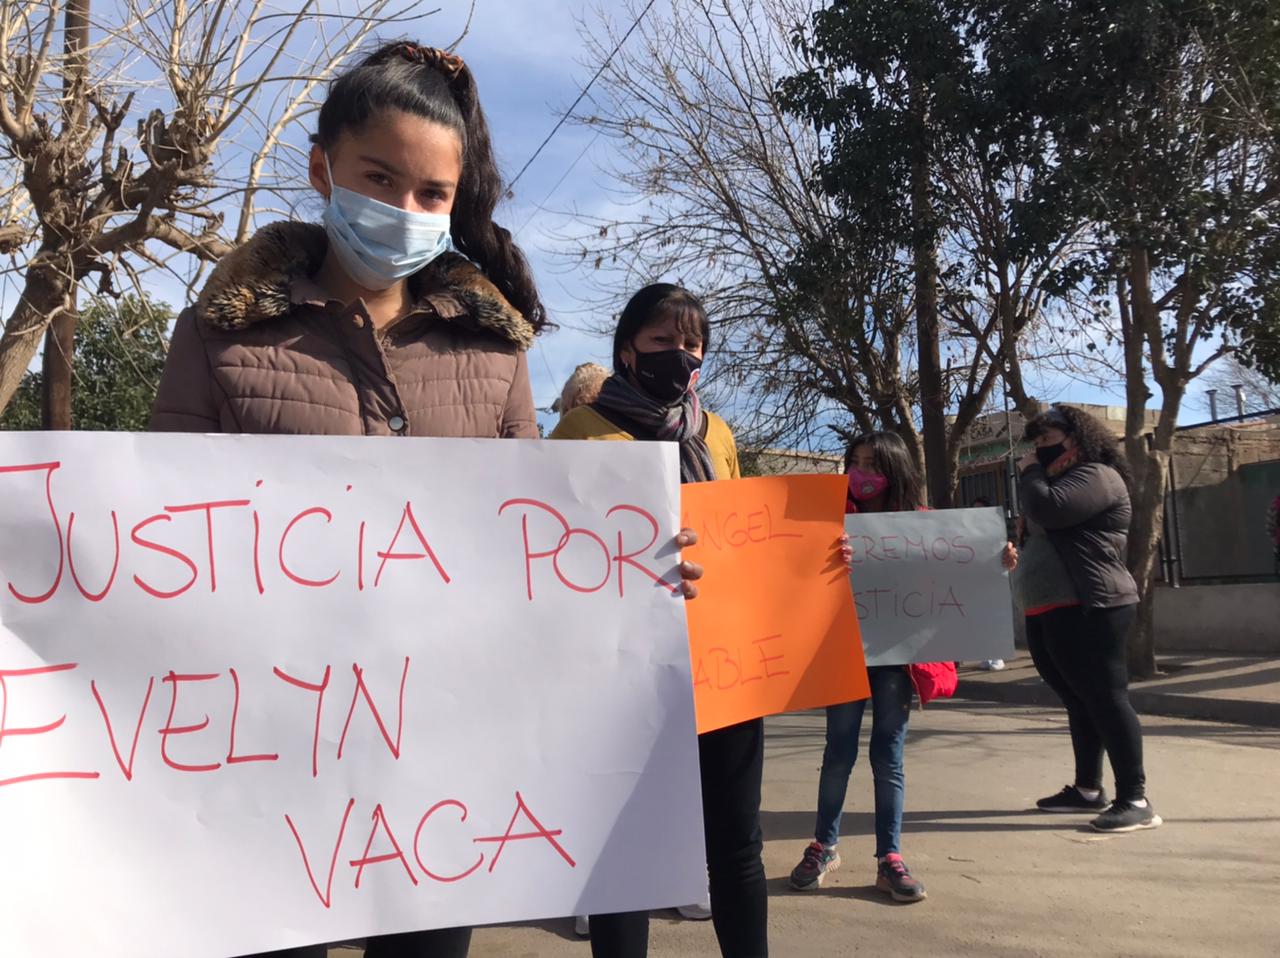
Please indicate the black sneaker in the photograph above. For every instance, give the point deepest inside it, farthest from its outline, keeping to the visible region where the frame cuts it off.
(1127, 817)
(813, 867)
(1070, 800)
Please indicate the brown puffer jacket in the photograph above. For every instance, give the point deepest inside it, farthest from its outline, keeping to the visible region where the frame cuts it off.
(262, 351)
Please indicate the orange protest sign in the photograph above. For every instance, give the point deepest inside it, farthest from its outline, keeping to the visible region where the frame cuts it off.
(774, 627)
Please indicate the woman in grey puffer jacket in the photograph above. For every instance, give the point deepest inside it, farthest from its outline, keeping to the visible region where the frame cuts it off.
(1080, 601)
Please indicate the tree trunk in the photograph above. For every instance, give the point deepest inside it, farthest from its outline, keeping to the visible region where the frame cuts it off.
(1150, 473)
(911, 439)
(1149, 461)
(59, 344)
(56, 367)
(45, 294)
(933, 418)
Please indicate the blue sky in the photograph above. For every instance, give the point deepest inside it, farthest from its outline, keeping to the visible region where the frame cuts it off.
(525, 58)
(525, 83)
(525, 55)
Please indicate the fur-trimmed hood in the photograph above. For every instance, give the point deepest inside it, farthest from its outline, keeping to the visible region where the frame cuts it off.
(256, 283)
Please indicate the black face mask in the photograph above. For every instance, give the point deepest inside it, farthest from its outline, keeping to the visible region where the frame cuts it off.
(666, 375)
(1048, 455)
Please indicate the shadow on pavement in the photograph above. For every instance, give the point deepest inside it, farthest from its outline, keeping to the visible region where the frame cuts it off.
(779, 887)
(798, 825)
(1194, 681)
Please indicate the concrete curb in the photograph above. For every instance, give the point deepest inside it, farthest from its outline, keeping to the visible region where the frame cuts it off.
(1146, 701)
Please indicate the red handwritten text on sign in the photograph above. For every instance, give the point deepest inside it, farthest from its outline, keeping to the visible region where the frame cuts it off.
(206, 753)
(581, 559)
(898, 548)
(720, 669)
(407, 542)
(309, 671)
(935, 600)
(427, 828)
(209, 748)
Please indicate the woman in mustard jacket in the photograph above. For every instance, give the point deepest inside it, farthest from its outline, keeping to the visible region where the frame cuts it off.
(658, 348)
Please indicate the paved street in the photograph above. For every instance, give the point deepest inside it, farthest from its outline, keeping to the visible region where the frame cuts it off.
(1004, 881)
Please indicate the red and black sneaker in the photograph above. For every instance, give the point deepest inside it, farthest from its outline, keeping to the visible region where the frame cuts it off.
(894, 878)
(813, 867)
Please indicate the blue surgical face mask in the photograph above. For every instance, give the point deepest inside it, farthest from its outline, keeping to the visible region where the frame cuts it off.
(379, 244)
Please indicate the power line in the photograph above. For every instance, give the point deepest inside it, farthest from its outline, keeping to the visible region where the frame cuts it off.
(551, 192)
(568, 113)
(551, 377)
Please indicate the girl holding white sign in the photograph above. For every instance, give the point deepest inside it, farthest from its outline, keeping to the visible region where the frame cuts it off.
(406, 312)
(882, 478)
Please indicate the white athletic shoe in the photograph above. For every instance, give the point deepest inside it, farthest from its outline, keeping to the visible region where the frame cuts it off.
(698, 912)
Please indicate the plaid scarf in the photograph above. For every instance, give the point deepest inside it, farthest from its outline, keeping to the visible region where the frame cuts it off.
(635, 411)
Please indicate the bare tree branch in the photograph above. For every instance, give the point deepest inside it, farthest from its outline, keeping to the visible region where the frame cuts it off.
(117, 174)
(466, 28)
(715, 187)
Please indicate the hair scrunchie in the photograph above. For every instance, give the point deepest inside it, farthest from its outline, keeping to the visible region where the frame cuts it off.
(450, 64)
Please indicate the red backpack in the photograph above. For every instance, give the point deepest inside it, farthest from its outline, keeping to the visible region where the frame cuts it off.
(933, 680)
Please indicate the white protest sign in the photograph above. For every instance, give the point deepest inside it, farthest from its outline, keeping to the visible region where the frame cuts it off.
(258, 692)
(930, 586)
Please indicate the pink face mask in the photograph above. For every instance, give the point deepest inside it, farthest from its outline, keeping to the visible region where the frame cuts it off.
(866, 485)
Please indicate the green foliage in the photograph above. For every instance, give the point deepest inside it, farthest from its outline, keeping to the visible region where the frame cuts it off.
(1152, 124)
(1260, 347)
(893, 83)
(866, 56)
(1259, 334)
(119, 355)
(926, 161)
(1163, 117)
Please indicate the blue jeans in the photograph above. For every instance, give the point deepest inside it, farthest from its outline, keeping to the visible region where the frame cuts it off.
(891, 691)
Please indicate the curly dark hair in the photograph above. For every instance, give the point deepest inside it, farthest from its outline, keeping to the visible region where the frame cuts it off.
(1093, 440)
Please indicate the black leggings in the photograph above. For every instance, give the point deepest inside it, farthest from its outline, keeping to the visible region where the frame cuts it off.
(732, 762)
(439, 943)
(1082, 656)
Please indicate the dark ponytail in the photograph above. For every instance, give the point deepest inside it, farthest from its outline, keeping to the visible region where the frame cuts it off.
(438, 86)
